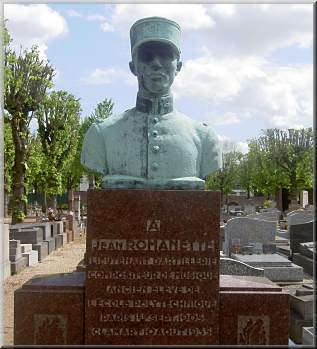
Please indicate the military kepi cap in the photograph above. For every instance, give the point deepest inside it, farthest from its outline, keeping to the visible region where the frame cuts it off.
(155, 29)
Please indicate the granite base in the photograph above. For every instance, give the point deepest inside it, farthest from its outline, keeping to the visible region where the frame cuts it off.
(50, 310)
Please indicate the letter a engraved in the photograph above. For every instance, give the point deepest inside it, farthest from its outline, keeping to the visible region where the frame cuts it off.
(153, 225)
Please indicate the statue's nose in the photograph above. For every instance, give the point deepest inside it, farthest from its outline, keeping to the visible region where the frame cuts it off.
(156, 62)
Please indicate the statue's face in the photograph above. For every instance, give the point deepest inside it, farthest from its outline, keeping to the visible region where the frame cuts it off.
(156, 65)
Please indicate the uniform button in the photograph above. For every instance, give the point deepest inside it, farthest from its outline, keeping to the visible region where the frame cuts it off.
(154, 133)
(155, 148)
(155, 120)
(154, 166)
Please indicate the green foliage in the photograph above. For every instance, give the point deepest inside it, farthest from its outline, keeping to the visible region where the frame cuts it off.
(58, 127)
(268, 204)
(36, 164)
(26, 80)
(282, 159)
(8, 157)
(226, 178)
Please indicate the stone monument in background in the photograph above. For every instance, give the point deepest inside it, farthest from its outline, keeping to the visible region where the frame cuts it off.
(151, 274)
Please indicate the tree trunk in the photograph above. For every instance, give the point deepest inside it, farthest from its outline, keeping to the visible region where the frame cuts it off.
(44, 202)
(91, 179)
(18, 172)
(70, 197)
(293, 191)
(52, 202)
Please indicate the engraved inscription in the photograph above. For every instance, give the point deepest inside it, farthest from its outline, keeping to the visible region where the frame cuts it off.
(153, 226)
(156, 245)
(50, 329)
(253, 330)
(152, 331)
(148, 282)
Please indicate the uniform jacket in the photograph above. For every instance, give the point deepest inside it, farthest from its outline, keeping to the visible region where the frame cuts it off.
(153, 142)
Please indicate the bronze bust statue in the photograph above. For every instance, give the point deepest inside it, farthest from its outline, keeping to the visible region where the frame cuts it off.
(152, 145)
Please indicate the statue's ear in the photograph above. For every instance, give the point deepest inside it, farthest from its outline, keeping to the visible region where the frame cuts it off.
(132, 68)
(179, 66)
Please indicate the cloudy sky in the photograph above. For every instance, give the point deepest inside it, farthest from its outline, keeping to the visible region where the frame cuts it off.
(246, 67)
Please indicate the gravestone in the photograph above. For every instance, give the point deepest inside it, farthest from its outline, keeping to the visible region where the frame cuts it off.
(303, 198)
(240, 231)
(27, 235)
(229, 266)
(276, 267)
(54, 229)
(306, 256)
(299, 233)
(46, 227)
(309, 336)
(266, 216)
(153, 264)
(299, 217)
(18, 262)
(58, 241)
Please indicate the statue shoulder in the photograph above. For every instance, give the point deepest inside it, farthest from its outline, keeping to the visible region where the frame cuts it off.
(114, 119)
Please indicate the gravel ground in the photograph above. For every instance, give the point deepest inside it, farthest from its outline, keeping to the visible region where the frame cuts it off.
(63, 260)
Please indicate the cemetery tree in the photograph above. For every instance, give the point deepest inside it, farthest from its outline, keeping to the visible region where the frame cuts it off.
(265, 177)
(226, 178)
(36, 162)
(290, 153)
(58, 126)
(26, 80)
(244, 174)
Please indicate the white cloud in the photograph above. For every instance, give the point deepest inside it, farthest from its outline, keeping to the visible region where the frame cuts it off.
(106, 27)
(73, 13)
(258, 29)
(229, 145)
(105, 76)
(257, 89)
(228, 118)
(34, 25)
(223, 10)
(95, 17)
(242, 147)
(188, 16)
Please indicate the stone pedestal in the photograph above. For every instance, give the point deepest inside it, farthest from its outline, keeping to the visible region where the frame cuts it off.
(253, 311)
(50, 310)
(151, 277)
(152, 267)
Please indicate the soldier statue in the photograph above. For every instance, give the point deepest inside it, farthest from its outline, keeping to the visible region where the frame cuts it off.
(152, 145)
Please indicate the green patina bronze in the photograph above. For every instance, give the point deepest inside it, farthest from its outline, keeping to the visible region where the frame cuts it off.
(152, 145)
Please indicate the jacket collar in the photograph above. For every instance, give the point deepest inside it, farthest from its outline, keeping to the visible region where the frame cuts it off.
(154, 105)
